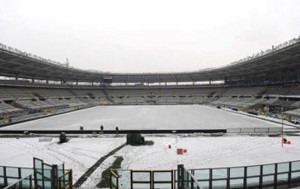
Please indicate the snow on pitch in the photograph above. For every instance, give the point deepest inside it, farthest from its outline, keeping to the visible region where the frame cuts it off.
(145, 117)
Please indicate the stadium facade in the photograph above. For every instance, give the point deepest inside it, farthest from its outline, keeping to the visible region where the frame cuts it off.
(264, 83)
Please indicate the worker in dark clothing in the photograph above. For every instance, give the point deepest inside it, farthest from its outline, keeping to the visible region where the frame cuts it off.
(117, 130)
(101, 128)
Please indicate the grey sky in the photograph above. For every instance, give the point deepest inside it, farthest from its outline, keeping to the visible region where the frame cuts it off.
(147, 36)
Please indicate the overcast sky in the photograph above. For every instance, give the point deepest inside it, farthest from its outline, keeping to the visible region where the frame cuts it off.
(147, 36)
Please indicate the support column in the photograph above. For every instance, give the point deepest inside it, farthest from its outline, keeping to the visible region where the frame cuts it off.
(180, 176)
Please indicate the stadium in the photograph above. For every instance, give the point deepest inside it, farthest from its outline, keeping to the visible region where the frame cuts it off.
(152, 95)
(251, 100)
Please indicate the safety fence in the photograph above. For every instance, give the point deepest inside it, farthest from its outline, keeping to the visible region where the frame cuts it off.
(42, 175)
(24, 183)
(65, 181)
(260, 130)
(141, 179)
(185, 179)
(286, 174)
(11, 175)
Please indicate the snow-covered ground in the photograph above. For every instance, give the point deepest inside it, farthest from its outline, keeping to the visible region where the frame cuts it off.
(202, 152)
(145, 117)
(208, 151)
(78, 154)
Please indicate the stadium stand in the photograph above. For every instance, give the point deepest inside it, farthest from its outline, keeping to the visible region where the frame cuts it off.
(257, 83)
(16, 101)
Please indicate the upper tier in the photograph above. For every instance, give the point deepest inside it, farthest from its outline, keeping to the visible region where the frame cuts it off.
(276, 64)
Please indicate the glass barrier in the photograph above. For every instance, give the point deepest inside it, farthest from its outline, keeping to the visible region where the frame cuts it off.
(41, 174)
(234, 177)
(24, 183)
(296, 166)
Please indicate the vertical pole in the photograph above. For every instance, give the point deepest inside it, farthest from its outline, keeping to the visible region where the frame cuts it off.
(71, 179)
(63, 172)
(110, 179)
(290, 174)
(245, 177)
(30, 181)
(180, 176)
(261, 177)
(172, 179)
(131, 176)
(151, 179)
(20, 176)
(192, 180)
(43, 178)
(34, 174)
(59, 183)
(19, 173)
(228, 178)
(275, 175)
(5, 177)
(210, 178)
(54, 177)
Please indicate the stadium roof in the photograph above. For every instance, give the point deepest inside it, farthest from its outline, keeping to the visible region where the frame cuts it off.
(279, 63)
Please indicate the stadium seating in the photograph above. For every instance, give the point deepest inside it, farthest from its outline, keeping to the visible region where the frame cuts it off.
(6, 109)
(23, 100)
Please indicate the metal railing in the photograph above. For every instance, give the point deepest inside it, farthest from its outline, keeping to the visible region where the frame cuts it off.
(24, 183)
(152, 178)
(114, 180)
(10, 175)
(42, 175)
(272, 130)
(185, 179)
(140, 179)
(284, 173)
(65, 181)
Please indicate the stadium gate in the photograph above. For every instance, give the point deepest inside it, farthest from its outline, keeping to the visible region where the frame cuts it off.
(51, 176)
(180, 179)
